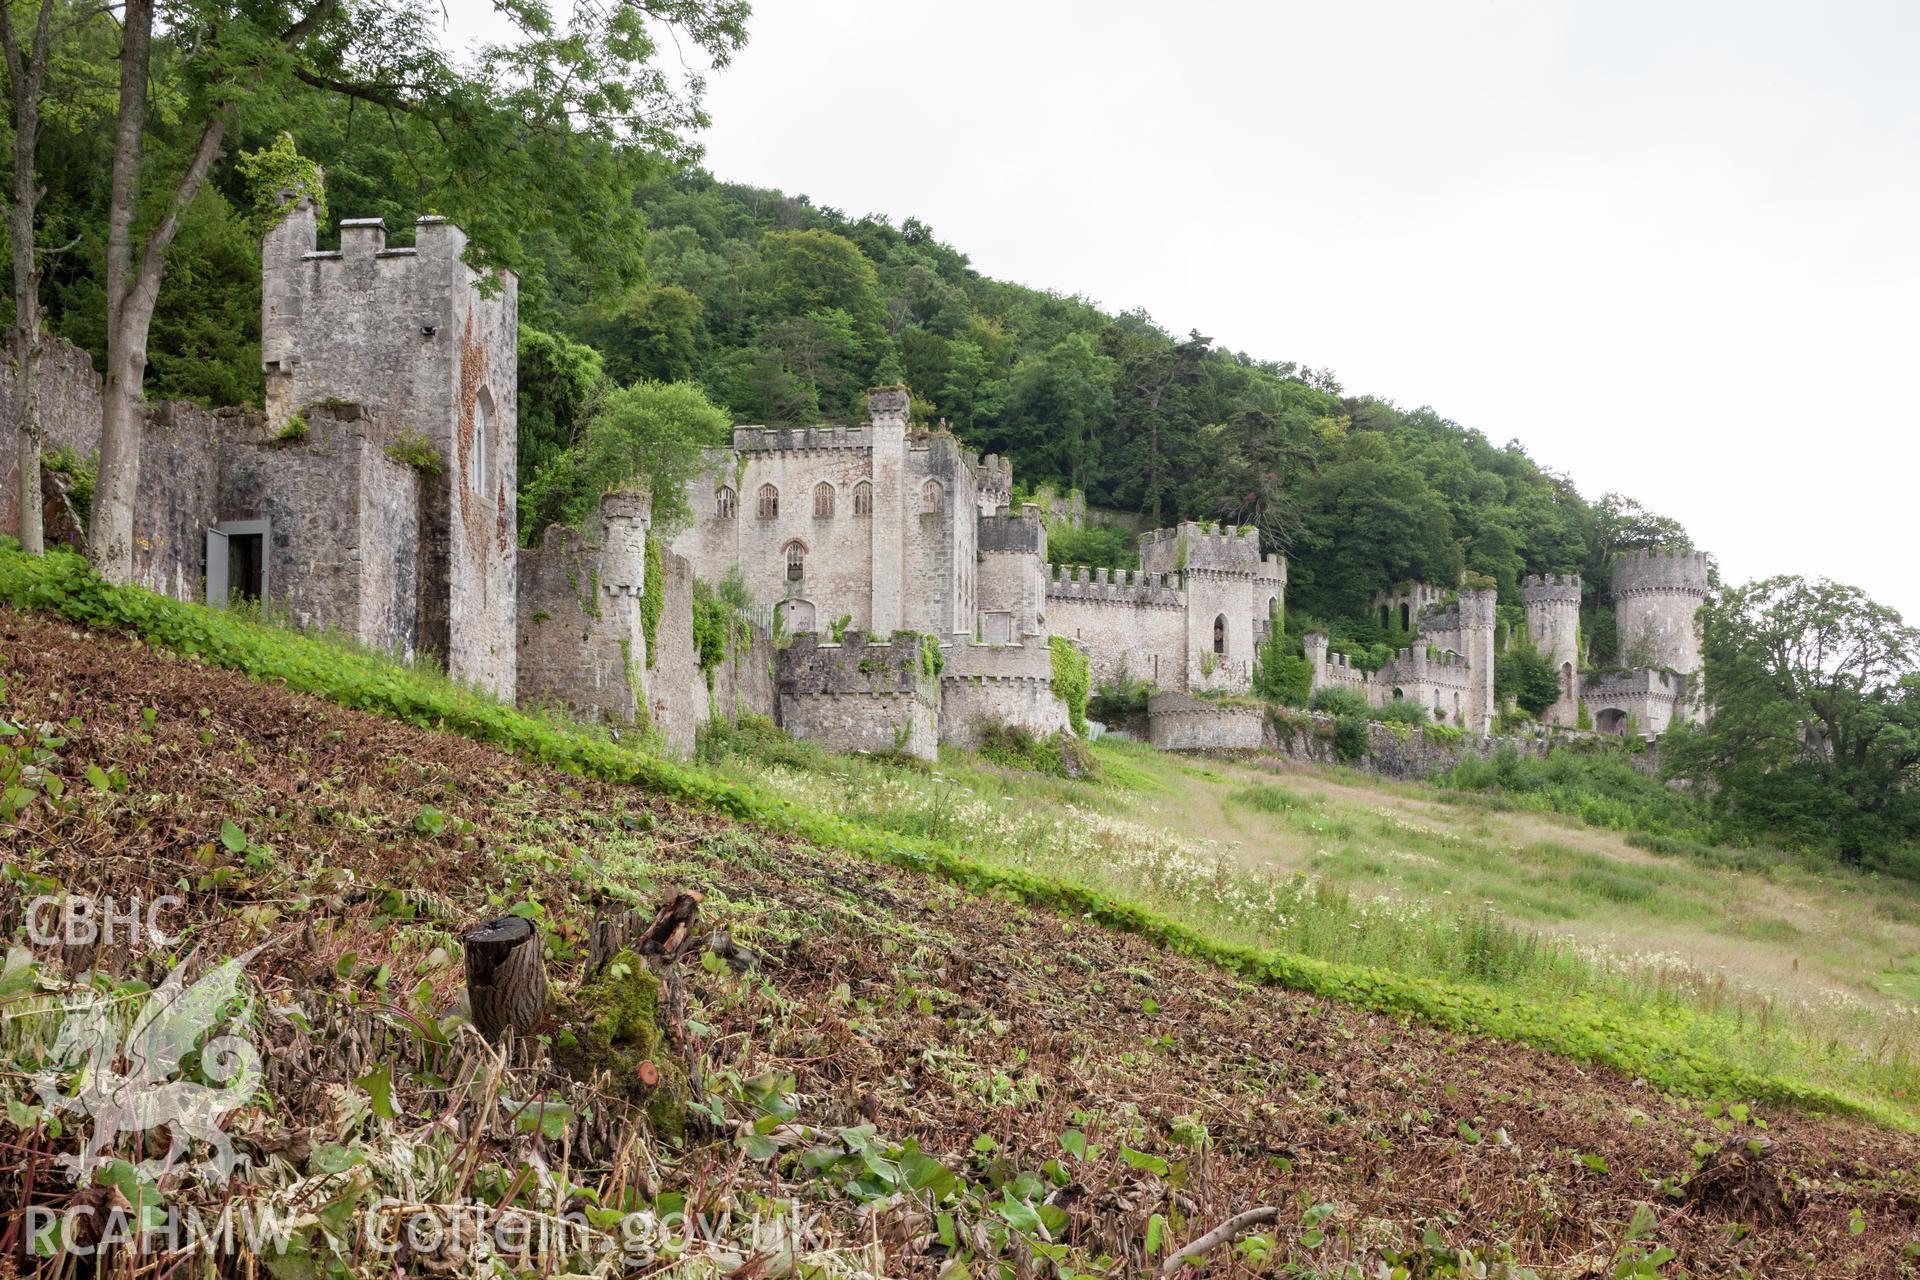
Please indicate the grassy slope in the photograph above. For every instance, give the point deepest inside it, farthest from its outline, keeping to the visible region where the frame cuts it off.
(894, 1010)
(1673, 1047)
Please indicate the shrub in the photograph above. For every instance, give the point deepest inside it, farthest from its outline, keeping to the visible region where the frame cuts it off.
(1528, 677)
(1402, 711)
(1058, 755)
(1094, 545)
(292, 431)
(1350, 738)
(1120, 694)
(81, 474)
(1337, 701)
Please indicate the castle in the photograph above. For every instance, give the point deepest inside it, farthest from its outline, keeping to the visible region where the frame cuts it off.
(899, 600)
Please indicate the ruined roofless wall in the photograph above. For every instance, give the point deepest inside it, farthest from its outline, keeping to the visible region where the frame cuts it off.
(675, 691)
(410, 333)
(858, 696)
(344, 539)
(179, 448)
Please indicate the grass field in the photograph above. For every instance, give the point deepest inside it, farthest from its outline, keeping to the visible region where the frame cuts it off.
(1789, 969)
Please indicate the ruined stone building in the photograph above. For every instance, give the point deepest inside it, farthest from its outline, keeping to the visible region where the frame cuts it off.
(1450, 670)
(1655, 594)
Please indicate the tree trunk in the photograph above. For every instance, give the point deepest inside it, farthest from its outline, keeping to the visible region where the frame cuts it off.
(132, 289)
(26, 72)
(506, 977)
(110, 533)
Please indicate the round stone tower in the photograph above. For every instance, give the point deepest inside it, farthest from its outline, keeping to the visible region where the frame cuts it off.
(1553, 628)
(1655, 597)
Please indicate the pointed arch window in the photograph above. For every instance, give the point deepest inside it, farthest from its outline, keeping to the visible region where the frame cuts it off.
(1220, 633)
(796, 560)
(477, 464)
(723, 502)
(769, 502)
(823, 501)
(863, 499)
(933, 498)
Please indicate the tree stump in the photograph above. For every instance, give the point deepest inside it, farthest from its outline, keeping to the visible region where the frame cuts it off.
(506, 977)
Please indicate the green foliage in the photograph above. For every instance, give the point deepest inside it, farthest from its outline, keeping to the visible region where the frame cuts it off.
(1283, 675)
(292, 431)
(1594, 784)
(933, 659)
(1095, 545)
(279, 177)
(719, 629)
(1120, 694)
(80, 473)
(1528, 677)
(1402, 711)
(1335, 700)
(560, 386)
(652, 431)
(1585, 1027)
(1058, 755)
(1815, 735)
(653, 597)
(411, 448)
(1071, 676)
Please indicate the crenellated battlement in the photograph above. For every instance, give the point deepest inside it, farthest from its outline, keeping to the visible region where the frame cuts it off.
(1550, 588)
(798, 439)
(1680, 572)
(1118, 586)
(1206, 547)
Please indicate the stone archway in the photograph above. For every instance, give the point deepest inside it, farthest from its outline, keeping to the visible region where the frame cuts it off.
(1611, 720)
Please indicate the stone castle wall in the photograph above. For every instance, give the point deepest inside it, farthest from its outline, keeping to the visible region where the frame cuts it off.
(344, 536)
(1177, 722)
(743, 682)
(982, 685)
(1552, 603)
(1644, 702)
(1181, 723)
(1136, 622)
(1656, 597)
(858, 696)
(1012, 591)
(182, 452)
(676, 694)
(69, 393)
(409, 333)
(582, 645)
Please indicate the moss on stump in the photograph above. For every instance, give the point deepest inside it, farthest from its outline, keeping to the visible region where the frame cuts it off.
(612, 1030)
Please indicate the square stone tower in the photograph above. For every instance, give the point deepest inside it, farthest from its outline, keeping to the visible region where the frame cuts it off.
(428, 345)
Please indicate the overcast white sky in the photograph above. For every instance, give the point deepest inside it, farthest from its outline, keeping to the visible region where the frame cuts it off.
(1672, 246)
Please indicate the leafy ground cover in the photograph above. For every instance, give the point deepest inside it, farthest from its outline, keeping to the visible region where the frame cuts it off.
(942, 1081)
